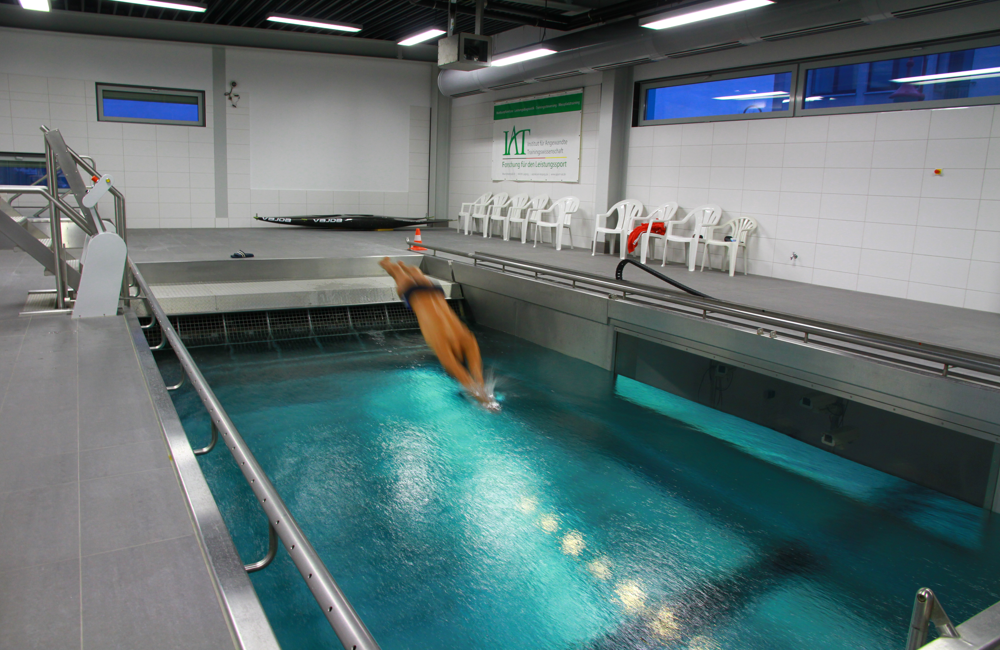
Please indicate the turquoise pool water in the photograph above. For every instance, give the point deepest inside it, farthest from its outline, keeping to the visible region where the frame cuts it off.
(592, 512)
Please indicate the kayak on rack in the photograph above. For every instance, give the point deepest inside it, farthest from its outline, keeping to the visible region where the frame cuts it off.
(351, 221)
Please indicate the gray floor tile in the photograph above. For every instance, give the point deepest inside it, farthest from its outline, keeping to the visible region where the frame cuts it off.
(158, 593)
(122, 511)
(39, 526)
(112, 422)
(23, 473)
(42, 609)
(32, 429)
(13, 327)
(123, 459)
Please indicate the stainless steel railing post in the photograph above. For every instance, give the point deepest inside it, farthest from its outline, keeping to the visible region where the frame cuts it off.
(272, 551)
(55, 228)
(927, 609)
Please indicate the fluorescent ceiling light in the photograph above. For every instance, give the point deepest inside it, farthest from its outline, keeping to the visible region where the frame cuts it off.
(35, 5)
(815, 99)
(180, 6)
(302, 22)
(711, 10)
(965, 75)
(422, 36)
(523, 56)
(777, 93)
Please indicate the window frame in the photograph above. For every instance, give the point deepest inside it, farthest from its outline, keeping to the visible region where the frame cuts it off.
(645, 86)
(889, 55)
(101, 117)
(799, 70)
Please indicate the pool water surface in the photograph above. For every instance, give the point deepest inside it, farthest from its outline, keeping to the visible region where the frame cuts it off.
(591, 512)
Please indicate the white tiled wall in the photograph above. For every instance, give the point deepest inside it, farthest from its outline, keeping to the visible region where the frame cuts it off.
(284, 203)
(471, 159)
(166, 172)
(855, 197)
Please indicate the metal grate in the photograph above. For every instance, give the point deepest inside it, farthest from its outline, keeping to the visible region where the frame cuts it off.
(262, 327)
(369, 317)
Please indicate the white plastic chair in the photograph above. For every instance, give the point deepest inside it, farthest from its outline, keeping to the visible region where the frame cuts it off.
(662, 214)
(740, 229)
(497, 213)
(627, 210)
(562, 212)
(523, 216)
(499, 199)
(469, 208)
(700, 217)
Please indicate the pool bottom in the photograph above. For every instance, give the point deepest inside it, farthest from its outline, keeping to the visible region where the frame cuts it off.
(592, 512)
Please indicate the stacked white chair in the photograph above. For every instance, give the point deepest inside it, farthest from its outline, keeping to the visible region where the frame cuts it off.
(501, 213)
(562, 212)
(499, 199)
(627, 210)
(662, 214)
(523, 217)
(739, 229)
(699, 218)
(468, 209)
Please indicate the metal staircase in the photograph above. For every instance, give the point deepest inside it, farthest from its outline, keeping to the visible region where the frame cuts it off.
(43, 238)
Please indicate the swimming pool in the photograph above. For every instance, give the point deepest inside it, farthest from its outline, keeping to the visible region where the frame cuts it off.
(592, 512)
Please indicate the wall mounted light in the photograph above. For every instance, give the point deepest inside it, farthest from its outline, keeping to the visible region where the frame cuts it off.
(36, 5)
(704, 11)
(162, 4)
(422, 36)
(523, 56)
(308, 22)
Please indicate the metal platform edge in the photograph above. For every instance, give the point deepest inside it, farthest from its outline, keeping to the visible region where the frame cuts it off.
(240, 606)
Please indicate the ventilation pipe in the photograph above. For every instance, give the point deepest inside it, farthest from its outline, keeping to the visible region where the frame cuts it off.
(622, 44)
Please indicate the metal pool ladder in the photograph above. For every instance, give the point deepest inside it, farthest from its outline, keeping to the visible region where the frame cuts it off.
(281, 525)
(981, 632)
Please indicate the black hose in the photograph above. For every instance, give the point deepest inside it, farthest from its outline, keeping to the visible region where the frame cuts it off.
(621, 267)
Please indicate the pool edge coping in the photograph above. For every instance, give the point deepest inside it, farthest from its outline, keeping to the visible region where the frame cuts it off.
(248, 624)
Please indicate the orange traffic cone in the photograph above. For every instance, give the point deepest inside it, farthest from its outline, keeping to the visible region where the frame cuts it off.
(416, 243)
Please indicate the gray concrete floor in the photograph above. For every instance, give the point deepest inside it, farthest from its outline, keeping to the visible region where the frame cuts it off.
(964, 329)
(97, 549)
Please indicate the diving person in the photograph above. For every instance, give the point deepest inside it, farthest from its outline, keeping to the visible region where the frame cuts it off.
(455, 346)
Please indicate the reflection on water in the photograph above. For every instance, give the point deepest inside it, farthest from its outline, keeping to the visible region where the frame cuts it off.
(589, 513)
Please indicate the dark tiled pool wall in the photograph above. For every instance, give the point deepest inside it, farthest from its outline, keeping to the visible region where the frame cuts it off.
(198, 330)
(948, 461)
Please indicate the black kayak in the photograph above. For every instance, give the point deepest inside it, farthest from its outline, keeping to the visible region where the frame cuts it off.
(351, 221)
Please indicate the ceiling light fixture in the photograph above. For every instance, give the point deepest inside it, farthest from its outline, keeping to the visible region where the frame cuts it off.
(777, 93)
(422, 36)
(523, 56)
(179, 6)
(710, 10)
(944, 77)
(35, 5)
(320, 24)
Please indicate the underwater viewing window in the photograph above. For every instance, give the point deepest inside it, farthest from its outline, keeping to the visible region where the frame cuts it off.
(933, 79)
(735, 97)
(150, 105)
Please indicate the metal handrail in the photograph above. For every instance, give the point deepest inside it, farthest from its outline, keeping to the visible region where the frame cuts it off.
(91, 168)
(341, 615)
(927, 609)
(947, 357)
(43, 191)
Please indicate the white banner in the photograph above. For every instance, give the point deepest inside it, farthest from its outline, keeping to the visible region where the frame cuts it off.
(538, 138)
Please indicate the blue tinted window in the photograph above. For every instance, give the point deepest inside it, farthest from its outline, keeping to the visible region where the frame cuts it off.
(949, 75)
(767, 93)
(157, 106)
(25, 169)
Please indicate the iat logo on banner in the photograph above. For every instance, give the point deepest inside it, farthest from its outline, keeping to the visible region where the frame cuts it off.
(511, 141)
